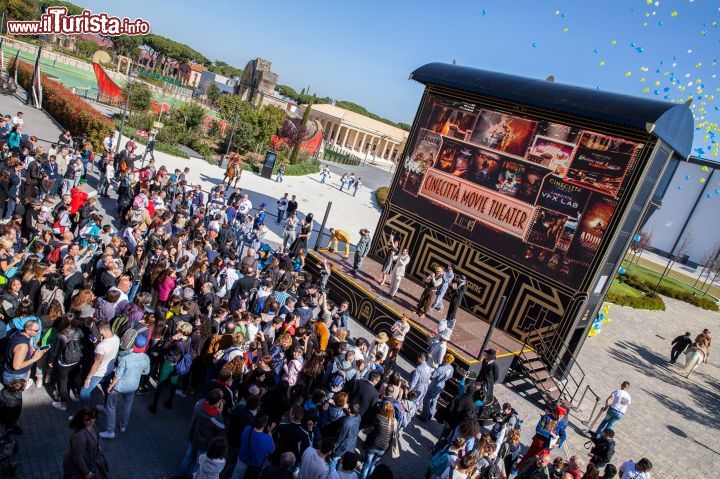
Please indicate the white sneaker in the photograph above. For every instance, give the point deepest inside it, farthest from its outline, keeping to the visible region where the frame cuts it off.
(122, 429)
(180, 393)
(107, 435)
(59, 405)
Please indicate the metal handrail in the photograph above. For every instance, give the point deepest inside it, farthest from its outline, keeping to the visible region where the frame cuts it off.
(582, 398)
(543, 350)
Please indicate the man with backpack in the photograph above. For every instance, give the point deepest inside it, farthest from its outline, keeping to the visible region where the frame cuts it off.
(506, 420)
(132, 365)
(603, 449)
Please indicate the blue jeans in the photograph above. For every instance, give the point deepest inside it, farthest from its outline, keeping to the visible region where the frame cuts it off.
(9, 208)
(372, 457)
(430, 404)
(323, 178)
(279, 177)
(86, 392)
(438, 304)
(56, 186)
(281, 215)
(239, 471)
(355, 192)
(125, 401)
(612, 416)
(133, 291)
(189, 462)
(9, 377)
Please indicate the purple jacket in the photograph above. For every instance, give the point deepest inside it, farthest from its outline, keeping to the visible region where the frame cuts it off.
(133, 312)
(104, 310)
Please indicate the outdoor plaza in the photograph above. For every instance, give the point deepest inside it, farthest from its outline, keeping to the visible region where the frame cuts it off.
(264, 283)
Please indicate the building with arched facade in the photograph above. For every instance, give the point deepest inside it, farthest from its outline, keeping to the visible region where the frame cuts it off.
(356, 134)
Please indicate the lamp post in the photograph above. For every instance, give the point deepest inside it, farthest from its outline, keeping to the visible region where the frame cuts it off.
(131, 81)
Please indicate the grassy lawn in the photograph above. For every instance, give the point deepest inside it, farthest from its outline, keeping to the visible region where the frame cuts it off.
(684, 278)
(623, 289)
(652, 276)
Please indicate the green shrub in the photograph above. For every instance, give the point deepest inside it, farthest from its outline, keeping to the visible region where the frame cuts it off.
(703, 302)
(643, 302)
(170, 149)
(381, 195)
(301, 169)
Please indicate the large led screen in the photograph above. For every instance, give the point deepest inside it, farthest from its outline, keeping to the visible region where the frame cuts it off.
(537, 192)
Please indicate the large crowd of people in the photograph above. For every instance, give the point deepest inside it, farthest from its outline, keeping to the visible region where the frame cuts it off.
(176, 293)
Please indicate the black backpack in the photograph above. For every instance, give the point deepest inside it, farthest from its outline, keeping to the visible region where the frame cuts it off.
(493, 470)
(72, 353)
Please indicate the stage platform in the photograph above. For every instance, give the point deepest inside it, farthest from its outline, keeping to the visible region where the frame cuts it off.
(372, 305)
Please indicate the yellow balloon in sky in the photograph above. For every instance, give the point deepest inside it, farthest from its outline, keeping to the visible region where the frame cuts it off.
(646, 90)
(674, 13)
(657, 83)
(613, 42)
(704, 168)
(627, 74)
(702, 180)
(602, 63)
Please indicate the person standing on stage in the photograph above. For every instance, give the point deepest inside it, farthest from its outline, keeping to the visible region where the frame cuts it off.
(398, 271)
(489, 373)
(459, 286)
(361, 249)
(431, 284)
(393, 250)
(447, 278)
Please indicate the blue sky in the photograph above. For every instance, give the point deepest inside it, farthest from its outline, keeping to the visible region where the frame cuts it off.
(364, 51)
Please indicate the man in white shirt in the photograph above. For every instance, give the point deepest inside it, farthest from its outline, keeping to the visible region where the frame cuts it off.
(636, 470)
(282, 205)
(616, 406)
(105, 353)
(313, 464)
(18, 119)
(244, 207)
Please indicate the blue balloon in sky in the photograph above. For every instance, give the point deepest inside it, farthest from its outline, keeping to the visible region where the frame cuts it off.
(637, 238)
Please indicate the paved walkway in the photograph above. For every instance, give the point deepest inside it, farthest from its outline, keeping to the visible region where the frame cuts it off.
(672, 421)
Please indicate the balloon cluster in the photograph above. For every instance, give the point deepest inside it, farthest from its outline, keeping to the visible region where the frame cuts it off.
(602, 317)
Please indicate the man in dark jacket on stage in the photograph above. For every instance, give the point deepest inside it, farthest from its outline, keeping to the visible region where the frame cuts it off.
(489, 373)
(459, 286)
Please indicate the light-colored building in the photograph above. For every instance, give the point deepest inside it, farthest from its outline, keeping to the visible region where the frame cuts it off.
(356, 134)
(225, 84)
(689, 211)
(190, 73)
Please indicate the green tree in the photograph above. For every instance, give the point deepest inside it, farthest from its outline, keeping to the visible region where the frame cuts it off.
(163, 50)
(127, 45)
(213, 94)
(71, 7)
(191, 115)
(86, 47)
(20, 9)
(231, 106)
(222, 68)
(302, 128)
(140, 96)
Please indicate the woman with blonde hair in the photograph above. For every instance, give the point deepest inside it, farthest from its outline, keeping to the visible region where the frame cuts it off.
(8, 258)
(82, 298)
(32, 280)
(378, 441)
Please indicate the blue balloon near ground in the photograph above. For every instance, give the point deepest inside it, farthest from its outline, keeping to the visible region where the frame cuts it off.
(679, 187)
(687, 177)
(621, 271)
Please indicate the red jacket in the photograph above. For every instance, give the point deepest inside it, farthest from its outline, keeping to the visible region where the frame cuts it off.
(78, 198)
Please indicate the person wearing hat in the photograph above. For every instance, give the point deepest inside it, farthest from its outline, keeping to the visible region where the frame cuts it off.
(437, 383)
(260, 217)
(447, 277)
(549, 433)
(438, 347)
(431, 284)
(459, 286)
(489, 373)
(361, 249)
(380, 346)
(132, 364)
(30, 219)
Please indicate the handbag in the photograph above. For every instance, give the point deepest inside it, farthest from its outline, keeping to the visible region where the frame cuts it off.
(395, 442)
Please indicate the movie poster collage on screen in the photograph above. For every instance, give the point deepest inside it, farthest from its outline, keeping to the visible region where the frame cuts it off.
(566, 180)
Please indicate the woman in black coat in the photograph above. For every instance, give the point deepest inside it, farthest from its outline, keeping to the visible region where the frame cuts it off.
(83, 458)
(4, 191)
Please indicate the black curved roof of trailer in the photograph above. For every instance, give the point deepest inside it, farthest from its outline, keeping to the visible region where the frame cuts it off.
(673, 123)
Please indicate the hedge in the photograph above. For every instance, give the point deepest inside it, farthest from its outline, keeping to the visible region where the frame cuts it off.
(381, 195)
(69, 109)
(699, 301)
(653, 303)
(298, 169)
